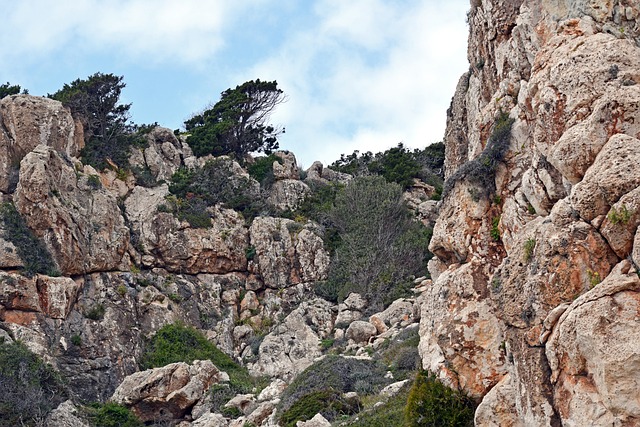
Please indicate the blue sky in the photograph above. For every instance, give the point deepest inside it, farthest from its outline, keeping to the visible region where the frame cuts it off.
(359, 74)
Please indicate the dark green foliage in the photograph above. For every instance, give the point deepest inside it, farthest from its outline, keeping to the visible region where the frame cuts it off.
(329, 403)
(76, 340)
(180, 343)
(31, 250)
(390, 414)
(432, 404)
(29, 388)
(482, 171)
(380, 244)
(191, 209)
(230, 412)
(96, 312)
(495, 230)
(335, 373)
(262, 169)
(236, 125)
(107, 131)
(215, 183)
(144, 176)
(401, 354)
(8, 89)
(250, 252)
(397, 164)
(94, 182)
(111, 415)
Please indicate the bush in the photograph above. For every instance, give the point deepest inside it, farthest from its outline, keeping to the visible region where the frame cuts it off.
(179, 343)
(262, 169)
(8, 89)
(335, 373)
(33, 253)
(329, 403)
(30, 388)
(481, 172)
(111, 415)
(192, 209)
(432, 404)
(380, 244)
(389, 414)
(96, 312)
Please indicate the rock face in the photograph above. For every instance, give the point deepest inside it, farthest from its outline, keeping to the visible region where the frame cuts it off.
(28, 121)
(530, 284)
(164, 394)
(78, 220)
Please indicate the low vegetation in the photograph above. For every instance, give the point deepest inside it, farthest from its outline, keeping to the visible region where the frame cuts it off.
(110, 415)
(481, 171)
(30, 388)
(31, 250)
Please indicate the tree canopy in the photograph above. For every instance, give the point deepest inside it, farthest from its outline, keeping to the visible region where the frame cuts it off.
(9, 89)
(108, 133)
(237, 124)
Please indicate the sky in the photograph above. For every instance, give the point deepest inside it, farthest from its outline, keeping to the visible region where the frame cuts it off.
(358, 74)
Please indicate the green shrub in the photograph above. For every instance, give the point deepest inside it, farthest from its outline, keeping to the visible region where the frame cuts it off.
(495, 231)
(432, 404)
(111, 415)
(7, 89)
(400, 354)
(250, 252)
(621, 216)
(389, 414)
(192, 209)
(33, 253)
(335, 373)
(76, 340)
(529, 247)
(96, 312)
(380, 244)
(329, 403)
(94, 182)
(262, 169)
(481, 171)
(180, 343)
(30, 389)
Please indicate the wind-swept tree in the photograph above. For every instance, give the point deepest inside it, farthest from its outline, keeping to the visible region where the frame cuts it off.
(237, 124)
(9, 89)
(95, 101)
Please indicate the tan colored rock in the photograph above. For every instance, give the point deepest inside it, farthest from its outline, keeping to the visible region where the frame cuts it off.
(288, 169)
(621, 222)
(287, 253)
(294, 344)
(400, 311)
(57, 295)
(79, 222)
(163, 155)
(287, 194)
(498, 407)
(28, 121)
(65, 415)
(210, 420)
(613, 174)
(317, 421)
(261, 413)
(594, 356)
(246, 403)
(18, 293)
(360, 331)
(166, 393)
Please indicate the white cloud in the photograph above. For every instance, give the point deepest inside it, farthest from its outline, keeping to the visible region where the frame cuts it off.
(369, 75)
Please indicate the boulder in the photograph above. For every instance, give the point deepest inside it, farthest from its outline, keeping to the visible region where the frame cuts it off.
(167, 393)
(65, 415)
(287, 194)
(288, 169)
(317, 421)
(360, 332)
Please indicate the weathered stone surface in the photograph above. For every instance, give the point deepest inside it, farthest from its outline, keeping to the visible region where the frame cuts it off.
(288, 169)
(498, 407)
(79, 222)
(594, 353)
(166, 393)
(65, 415)
(400, 311)
(163, 155)
(28, 121)
(317, 421)
(360, 331)
(287, 194)
(295, 343)
(350, 309)
(57, 295)
(287, 253)
(210, 420)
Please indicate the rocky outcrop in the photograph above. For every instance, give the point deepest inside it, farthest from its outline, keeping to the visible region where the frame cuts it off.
(286, 252)
(79, 221)
(28, 121)
(167, 393)
(562, 217)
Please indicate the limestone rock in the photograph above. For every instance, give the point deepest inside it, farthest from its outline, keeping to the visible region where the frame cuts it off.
(210, 420)
(166, 393)
(163, 155)
(594, 356)
(65, 415)
(57, 295)
(317, 421)
(28, 121)
(287, 194)
(79, 222)
(288, 169)
(498, 407)
(295, 343)
(350, 309)
(287, 253)
(360, 332)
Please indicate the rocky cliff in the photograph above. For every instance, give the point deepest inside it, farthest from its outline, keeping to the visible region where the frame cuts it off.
(534, 305)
